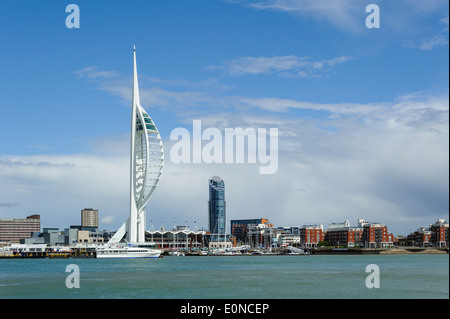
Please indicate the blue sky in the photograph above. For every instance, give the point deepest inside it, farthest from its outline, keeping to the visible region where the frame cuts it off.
(362, 113)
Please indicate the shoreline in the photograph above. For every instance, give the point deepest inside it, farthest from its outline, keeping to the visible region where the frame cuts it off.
(381, 251)
(320, 251)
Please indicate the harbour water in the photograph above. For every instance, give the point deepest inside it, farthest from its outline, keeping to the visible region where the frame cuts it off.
(229, 277)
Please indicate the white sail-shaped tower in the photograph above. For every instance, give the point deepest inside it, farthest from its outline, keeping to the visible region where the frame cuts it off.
(146, 166)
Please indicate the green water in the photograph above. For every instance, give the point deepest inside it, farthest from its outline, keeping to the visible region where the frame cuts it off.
(229, 277)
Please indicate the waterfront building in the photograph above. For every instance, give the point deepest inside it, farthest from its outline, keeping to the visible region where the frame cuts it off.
(146, 166)
(260, 235)
(179, 238)
(293, 230)
(89, 217)
(439, 233)
(70, 236)
(310, 235)
(49, 236)
(14, 229)
(217, 213)
(284, 240)
(421, 237)
(286, 236)
(375, 235)
(365, 235)
(220, 245)
(53, 237)
(348, 236)
(35, 239)
(239, 227)
(89, 237)
(436, 235)
(76, 235)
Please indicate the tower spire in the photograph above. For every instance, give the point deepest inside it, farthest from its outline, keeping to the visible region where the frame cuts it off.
(132, 228)
(146, 165)
(135, 81)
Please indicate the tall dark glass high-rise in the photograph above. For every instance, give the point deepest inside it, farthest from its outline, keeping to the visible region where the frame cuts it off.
(217, 215)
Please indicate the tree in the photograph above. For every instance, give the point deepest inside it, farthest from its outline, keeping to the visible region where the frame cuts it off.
(323, 243)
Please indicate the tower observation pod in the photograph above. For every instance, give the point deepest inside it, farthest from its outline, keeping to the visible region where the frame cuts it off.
(146, 166)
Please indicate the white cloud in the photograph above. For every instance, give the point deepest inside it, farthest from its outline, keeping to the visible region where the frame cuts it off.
(437, 39)
(291, 66)
(341, 14)
(185, 104)
(400, 17)
(58, 187)
(92, 72)
(107, 220)
(445, 23)
(427, 44)
(284, 105)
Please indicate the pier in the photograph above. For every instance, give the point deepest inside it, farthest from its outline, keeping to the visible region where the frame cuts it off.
(64, 252)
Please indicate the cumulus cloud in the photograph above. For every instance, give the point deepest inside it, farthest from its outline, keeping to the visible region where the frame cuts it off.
(58, 187)
(107, 220)
(390, 163)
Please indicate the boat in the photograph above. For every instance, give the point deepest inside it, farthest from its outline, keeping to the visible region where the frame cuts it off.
(176, 253)
(127, 252)
(221, 252)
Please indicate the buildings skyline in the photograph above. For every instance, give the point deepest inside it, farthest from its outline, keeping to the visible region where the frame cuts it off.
(242, 231)
(254, 232)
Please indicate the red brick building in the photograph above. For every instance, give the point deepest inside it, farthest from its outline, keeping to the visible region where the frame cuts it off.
(310, 235)
(348, 236)
(366, 235)
(434, 236)
(376, 236)
(421, 238)
(439, 233)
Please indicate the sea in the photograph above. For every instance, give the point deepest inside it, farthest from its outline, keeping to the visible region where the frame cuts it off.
(409, 276)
